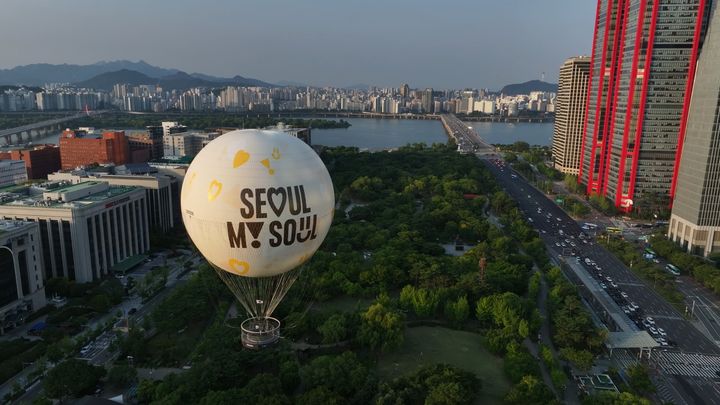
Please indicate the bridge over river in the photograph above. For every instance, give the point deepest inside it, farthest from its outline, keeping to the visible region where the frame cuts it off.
(467, 140)
(37, 130)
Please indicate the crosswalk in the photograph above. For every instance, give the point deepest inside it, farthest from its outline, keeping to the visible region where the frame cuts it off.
(689, 364)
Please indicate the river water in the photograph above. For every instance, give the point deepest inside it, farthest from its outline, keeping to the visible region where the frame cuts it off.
(374, 134)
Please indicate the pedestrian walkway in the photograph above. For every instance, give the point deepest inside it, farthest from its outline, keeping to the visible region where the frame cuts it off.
(689, 365)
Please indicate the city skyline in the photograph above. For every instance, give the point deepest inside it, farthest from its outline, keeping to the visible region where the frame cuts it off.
(377, 44)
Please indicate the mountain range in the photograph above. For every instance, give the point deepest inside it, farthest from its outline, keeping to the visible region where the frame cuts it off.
(527, 87)
(103, 75)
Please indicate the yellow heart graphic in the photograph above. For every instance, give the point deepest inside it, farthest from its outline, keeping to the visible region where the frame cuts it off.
(238, 267)
(214, 190)
(240, 158)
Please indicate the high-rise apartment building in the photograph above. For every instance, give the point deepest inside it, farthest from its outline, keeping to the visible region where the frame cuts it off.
(643, 62)
(695, 219)
(404, 90)
(570, 114)
(427, 100)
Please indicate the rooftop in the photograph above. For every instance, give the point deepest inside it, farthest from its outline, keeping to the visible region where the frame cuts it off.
(37, 196)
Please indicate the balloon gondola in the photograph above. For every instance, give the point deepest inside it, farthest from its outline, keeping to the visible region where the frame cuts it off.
(257, 204)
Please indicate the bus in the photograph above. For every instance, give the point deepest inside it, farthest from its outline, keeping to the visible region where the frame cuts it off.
(615, 230)
(672, 269)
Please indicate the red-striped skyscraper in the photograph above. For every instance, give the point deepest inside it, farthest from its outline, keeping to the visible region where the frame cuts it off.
(643, 62)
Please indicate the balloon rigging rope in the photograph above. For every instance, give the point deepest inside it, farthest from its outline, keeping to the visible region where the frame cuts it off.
(260, 295)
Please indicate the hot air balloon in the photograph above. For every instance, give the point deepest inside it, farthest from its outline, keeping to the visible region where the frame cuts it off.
(257, 204)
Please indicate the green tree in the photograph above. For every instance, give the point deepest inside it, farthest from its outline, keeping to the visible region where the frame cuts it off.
(581, 359)
(382, 327)
(614, 398)
(343, 374)
(529, 391)
(334, 329)
(433, 384)
(639, 379)
(122, 375)
(72, 378)
(457, 312)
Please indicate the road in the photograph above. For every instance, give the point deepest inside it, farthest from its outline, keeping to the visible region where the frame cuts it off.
(467, 140)
(98, 351)
(556, 229)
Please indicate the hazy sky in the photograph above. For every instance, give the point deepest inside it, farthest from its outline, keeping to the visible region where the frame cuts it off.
(440, 43)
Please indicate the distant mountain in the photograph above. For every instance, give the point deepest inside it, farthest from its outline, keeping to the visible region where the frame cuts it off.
(175, 81)
(527, 87)
(105, 81)
(41, 73)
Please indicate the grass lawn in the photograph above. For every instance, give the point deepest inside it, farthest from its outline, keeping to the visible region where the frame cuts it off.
(173, 349)
(427, 345)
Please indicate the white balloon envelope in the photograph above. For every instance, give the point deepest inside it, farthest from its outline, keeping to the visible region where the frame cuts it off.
(257, 204)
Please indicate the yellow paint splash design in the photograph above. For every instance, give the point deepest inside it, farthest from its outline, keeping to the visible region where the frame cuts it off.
(239, 267)
(266, 163)
(214, 190)
(240, 158)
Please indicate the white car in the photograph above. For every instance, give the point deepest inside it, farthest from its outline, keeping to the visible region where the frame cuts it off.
(650, 320)
(662, 332)
(653, 330)
(603, 286)
(624, 294)
(634, 305)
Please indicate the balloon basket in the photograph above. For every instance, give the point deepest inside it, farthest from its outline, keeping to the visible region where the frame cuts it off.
(259, 333)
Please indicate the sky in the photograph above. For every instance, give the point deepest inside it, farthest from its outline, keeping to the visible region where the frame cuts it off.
(440, 44)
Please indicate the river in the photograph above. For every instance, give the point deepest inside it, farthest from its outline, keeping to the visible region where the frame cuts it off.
(374, 134)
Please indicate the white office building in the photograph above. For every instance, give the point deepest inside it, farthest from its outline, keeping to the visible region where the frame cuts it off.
(21, 281)
(85, 229)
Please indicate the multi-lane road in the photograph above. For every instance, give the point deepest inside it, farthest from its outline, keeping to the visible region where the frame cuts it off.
(467, 140)
(685, 341)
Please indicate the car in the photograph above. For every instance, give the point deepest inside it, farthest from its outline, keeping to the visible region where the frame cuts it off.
(634, 305)
(650, 320)
(626, 310)
(558, 219)
(587, 260)
(662, 332)
(543, 231)
(624, 294)
(612, 283)
(557, 244)
(653, 330)
(603, 286)
(609, 279)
